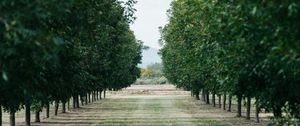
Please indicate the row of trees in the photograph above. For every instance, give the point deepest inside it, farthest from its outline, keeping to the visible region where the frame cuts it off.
(246, 49)
(152, 71)
(53, 50)
(152, 74)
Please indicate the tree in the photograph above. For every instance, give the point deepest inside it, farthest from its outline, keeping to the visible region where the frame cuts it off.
(46, 56)
(238, 48)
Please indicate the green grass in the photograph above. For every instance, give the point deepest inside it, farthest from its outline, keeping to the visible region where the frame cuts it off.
(161, 109)
(158, 111)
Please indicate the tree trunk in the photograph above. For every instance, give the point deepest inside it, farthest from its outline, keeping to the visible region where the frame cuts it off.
(95, 97)
(74, 102)
(47, 110)
(77, 101)
(248, 108)
(27, 114)
(214, 99)
(100, 94)
(220, 99)
(92, 99)
(69, 105)
(89, 95)
(12, 119)
(239, 106)
(56, 107)
(257, 112)
(229, 103)
(0, 115)
(224, 102)
(203, 96)
(97, 93)
(104, 93)
(197, 95)
(82, 100)
(86, 99)
(37, 117)
(63, 107)
(207, 97)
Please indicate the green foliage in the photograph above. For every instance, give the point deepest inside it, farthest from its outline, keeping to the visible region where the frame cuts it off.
(152, 74)
(244, 48)
(151, 81)
(52, 50)
(152, 70)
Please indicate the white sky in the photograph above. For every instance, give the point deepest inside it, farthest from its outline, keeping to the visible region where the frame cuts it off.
(150, 14)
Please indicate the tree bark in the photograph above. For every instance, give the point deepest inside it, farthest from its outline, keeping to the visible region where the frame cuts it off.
(220, 99)
(77, 101)
(27, 114)
(37, 117)
(47, 110)
(100, 94)
(86, 99)
(56, 107)
(104, 93)
(0, 115)
(95, 97)
(69, 105)
(97, 94)
(224, 102)
(203, 96)
(92, 98)
(257, 112)
(229, 103)
(207, 98)
(12, 119)
(239, 106)
(82, 100)
(89, 95)
(197, 95)
(248, 108)
(214, 99)
(63, 107)
(74, 102)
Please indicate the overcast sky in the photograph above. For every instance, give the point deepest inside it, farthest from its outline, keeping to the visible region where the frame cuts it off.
(150, 15)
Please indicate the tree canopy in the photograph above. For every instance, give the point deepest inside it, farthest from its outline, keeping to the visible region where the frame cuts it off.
(53, 50)
(242, 48)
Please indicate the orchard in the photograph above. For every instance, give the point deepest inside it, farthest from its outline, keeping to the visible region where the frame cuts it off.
(236, 49)
(52, 51)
